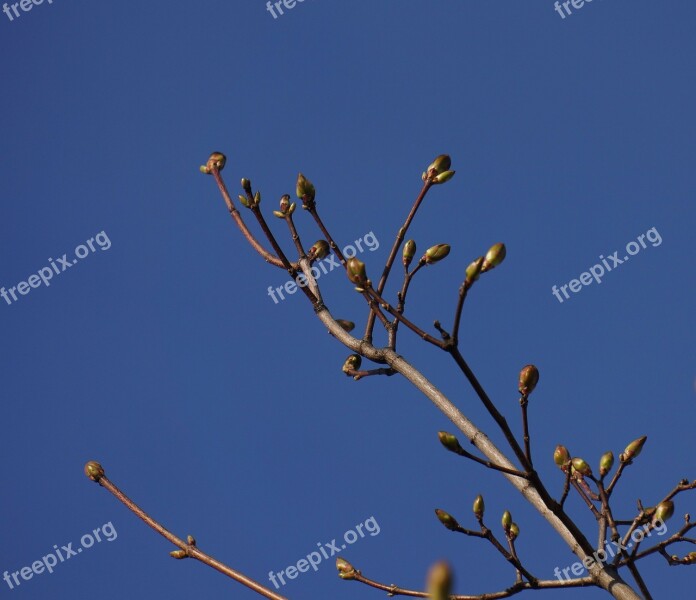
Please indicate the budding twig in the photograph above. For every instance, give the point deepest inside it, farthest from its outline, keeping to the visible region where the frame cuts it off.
(267, 256)
(187, 550)
(427, 184)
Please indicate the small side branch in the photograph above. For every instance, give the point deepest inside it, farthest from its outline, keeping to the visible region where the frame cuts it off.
(187, 549)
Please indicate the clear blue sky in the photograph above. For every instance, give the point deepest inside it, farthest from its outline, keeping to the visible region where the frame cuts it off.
(226, 415)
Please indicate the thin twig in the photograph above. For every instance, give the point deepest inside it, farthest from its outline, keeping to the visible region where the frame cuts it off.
(394, 590)
(253, 242)
(395, 249)
(190, 549)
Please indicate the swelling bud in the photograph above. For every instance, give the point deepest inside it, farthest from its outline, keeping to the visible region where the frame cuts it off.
(529, 377)
(436, 253)
(494, 256)
(634, 449)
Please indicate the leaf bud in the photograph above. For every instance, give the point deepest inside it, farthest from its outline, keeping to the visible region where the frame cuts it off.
(449, 441)
(244, 200)
(506, 521)
(304, 189)
(514, 532)
(561, 456)
(356, 272)
(319, 250)
(529, 377)
(439, 581)
(347, 326)
(494, 256)
(473, 271)
(216, 160)
(447, 520)
(479, 506)
(606, 463)
(580, 466)
(633, 449)
(246, 185)
(663, 512)
(436, 253)
(345, 569)
(94, 470)
(444, 177)
(284, 203)
(178, 554)
(441, 164)
(409, 252)
(352, 363)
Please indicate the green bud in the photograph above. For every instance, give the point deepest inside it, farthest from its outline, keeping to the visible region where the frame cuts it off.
(514, 532)
(664, 511)
(436, 253)
(439, 581)
(473, 271)
(246, 185)
(355, 270)
(277, 213)
(479, 506)
(529, 377)
(352, 363)
(449, 441)
(506, 521)
(244, 200)
(284, 203)
(304, 188)
(216, 160)
(494, 256)
(444, 177)
(345, 569)
(581, 467)
(606, 463)
(190, 540)
(409, 252)
(441, 164)
(292, 208)
(257, 198)
(447, 520)
(346, 325)
(690, 558)
(319, 250)
(178, 554)
(94, 470)
(561, 456)
(633, 449)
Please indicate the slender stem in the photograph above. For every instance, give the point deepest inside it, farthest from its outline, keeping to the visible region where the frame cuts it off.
(586, 498)
(392, 311)
(394, 590)
(486, 463)
(268, 257)
(566, 486)
(279, 251)
(395, 249)
(295, 235)
(639, 580)
(490, 407)
(524, 404)
(408, 277)
(358, 375)
(375, 312)
(463, 290)
(191, 550)
(617, 476)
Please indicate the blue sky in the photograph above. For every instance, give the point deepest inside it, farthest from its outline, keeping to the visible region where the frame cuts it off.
(226, 415)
